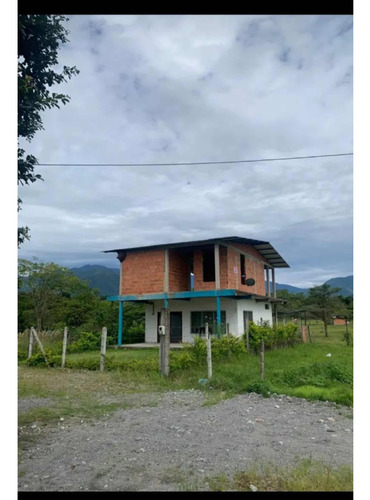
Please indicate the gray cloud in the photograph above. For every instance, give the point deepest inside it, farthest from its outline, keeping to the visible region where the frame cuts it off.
(199, 88)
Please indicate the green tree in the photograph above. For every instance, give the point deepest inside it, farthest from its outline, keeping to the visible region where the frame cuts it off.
(347, 306)
(324, 303)
(48, 285)
(39, 39)
(294, 301)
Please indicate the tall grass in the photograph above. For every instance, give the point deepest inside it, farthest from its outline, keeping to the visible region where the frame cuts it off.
(306, 475)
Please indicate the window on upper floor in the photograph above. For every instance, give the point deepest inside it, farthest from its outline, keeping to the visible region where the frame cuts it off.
(242, 269)
(209, 265)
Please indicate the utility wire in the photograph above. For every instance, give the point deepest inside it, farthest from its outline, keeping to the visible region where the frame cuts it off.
(185, 163)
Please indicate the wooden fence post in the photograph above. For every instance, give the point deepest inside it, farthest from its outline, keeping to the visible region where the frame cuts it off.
(247, 335)
(64, 346)
(40, 344)
(30, 342)
(209, 353)
(165, 343)
(228, 338)
(262, 359)
(103, 348)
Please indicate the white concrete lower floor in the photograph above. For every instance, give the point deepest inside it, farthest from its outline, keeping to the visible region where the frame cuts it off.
(188, 317)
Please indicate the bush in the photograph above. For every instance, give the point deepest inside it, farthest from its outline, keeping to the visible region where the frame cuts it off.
(38, 359)
(198, 350)
(88, 341)
(260, 387)
(273, 337)
(181, 360)
(227, 346)
(22, 354)
(348, 337)
(221, 348)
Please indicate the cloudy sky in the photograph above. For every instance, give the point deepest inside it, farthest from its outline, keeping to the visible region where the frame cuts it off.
(204, 88)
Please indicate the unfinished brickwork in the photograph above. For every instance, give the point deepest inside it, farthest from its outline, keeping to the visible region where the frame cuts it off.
(199, 284)
(254, 268)
(179, 272)
(143, 272)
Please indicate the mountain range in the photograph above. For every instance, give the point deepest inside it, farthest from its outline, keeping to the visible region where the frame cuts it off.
(345, 284)
(106, 279)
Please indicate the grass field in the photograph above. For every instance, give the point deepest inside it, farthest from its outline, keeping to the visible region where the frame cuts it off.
(304, 370)
(321, 370)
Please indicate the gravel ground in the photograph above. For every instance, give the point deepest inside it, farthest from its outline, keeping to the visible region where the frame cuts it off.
(171, 442)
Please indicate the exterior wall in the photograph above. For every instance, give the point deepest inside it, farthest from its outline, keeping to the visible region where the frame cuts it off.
(339, 321)
(233, 308)
(143, 272)
(224, 268)
(258, 310)
(254, 268)
(199, 284)
(179, 273)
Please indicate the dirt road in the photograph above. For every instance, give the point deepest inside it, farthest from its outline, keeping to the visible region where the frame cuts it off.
(171, 442)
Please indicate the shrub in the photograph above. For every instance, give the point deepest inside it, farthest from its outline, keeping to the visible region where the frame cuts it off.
(181, 360)
(38, 359)
(88, 341)
(198, 350)
(273, 337)
(22, 354)
(260, 387)
(348, 337)
(228, 345)
(221, 348)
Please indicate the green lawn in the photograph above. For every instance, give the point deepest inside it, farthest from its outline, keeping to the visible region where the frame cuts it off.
(320, 370)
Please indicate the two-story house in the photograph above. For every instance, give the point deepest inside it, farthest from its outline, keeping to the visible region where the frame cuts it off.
(224, 282)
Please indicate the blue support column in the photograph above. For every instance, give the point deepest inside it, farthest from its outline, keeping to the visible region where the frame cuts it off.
(218, 304)
(120, 316)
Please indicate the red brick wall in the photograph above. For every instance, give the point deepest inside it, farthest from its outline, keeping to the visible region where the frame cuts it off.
(253, 269)
(143, 272)
(250, 250)
(199, 284)
(179, 272)
(339, 321)
(224, 269)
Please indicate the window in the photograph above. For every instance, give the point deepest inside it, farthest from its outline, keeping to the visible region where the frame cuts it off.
(242, 268)
(200, 318)
(247, 316)
(209, 265)
(267, 306)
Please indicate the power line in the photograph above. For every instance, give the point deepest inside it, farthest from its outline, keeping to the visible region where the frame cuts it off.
(185, 163)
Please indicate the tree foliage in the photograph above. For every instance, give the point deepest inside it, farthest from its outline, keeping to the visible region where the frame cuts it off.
(52, 297)
(47, 285)
(39, 39)
(324, 303)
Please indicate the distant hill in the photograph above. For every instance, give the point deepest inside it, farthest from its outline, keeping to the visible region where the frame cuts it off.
(106, 279)
(346, 285)
(290, 288)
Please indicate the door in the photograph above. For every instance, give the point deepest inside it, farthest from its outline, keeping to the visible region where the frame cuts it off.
(175, 327)
(247, 316)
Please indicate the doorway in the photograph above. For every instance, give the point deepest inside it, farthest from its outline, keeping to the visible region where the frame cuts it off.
(175, 327)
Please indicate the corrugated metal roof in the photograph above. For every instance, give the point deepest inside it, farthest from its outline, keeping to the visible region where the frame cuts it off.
(263, 247)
